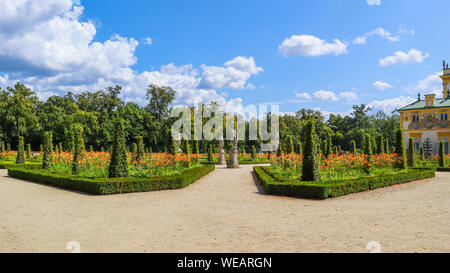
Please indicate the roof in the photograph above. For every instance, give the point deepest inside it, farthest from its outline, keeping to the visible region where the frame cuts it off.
(438, 103)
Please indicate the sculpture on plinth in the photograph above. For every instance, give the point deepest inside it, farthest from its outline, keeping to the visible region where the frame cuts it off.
(233, 161)
(222, 160)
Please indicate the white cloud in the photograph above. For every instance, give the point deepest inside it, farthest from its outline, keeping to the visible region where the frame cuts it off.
(349, 96)
(308, 45)
(377, 32)
(147, 41)
(390, 105)
(234, 74)
(400, 57)
(302, 95)
(374, 2)
(381, 85)
(431, 84)
(46, 46)
(326, 95)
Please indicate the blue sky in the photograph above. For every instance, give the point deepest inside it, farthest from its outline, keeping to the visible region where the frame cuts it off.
(322, 54)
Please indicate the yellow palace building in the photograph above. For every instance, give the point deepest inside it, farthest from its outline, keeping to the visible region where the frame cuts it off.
(429, 118)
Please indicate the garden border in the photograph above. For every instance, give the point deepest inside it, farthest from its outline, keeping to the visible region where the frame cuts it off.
(318, 190)
(7, 165)
(104, 186)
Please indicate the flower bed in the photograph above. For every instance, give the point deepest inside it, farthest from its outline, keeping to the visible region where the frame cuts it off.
(276, 185)
(103, 186)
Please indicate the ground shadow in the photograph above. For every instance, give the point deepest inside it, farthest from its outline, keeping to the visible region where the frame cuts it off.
(258, 185)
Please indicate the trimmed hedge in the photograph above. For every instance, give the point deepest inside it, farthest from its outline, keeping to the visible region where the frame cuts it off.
(103, 186)
(446, 169)
(275, 185)
(11, 164)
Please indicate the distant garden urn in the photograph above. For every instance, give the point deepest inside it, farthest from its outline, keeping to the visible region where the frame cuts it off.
(222, 160)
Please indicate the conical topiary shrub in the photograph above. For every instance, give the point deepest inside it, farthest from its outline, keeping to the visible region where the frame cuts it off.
(2, 147)
(289, 145)
(210, 159)
(78, 148)
(20, 159)
(400, 149)
(139, 149)
(119, 163)
(279, 150)
(29, 150)
(387, 150)
(441, 154)
(353, 147)
(411, 153)
(310, 168)
(253, 152)
(368, 145)
(47, 147)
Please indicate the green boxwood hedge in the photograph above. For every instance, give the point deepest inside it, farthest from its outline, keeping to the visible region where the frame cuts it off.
(11, 164)
(321, 190)
(103, 186)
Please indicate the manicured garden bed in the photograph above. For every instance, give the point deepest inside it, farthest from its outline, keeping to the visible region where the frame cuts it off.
(273, 184)
(103, 186)
(11, 164)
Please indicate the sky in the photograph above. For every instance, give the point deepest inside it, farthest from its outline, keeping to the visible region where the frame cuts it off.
(325, 55)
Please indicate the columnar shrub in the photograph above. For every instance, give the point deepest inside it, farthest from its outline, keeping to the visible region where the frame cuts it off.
(325, 148)
(41, 148)
(68, 140)
(28, 150)
(441, 154)
(8, 147)
(422, 153)
(119, 164)
(210, 153)
(253, 152)
(353, 147)
(47, 148)
(380, 145)
(368, 145)
(140, 148)
(279, 150)
(2, 147)
(289, 145)
(91, 148)
(78, 149)
(310, 167)
(150, 150)
(300, 148)
(336, 150)
(20, 159)
(400, 149)
(329, 145)
(386, 146)
(197, 148)
(411, 153)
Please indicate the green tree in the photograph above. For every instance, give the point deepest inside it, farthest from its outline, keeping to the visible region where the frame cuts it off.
(119, 163)
(160, 97)
(20, 159)
(441, 154)
(400, 149)
(47, 147)
(310, 168)
(411, 153)
(78, 148)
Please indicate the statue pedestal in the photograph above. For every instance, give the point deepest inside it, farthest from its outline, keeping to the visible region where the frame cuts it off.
(222, 160)
(233, 161)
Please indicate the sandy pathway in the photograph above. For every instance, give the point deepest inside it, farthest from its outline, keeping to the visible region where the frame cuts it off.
(224, 212)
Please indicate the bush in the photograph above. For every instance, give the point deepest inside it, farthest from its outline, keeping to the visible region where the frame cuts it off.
(441, 154)
(310, 166)
(29, 150)
(2, 147)
(353, 147)
(119, 165)
(253, 152)
(400, 148)
(368, 145)
(422, 153)
(112, 186)
(78, 149)
(279, 150)
(289, 145)
(411, 153)
(140, 148)
(386, 146)
(321, 190)
(20, 158)
(47, 147)
(210, 157)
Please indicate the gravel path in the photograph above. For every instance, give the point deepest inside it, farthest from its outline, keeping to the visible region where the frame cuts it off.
(225, 211)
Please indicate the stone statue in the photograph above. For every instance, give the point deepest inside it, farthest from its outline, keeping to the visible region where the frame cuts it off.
(221, 160)
(443, 64)
(179, 142)
(233, 161)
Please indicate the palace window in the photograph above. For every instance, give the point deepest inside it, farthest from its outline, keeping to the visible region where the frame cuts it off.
(416, 118)
(446, 146)
(416, 143)
(444, 116)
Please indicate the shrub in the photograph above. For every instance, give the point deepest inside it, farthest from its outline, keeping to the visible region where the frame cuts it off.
(411, 153)
(300, 148)
(28, 150)
(47, 147)
(140, 148)
(8, 147)
(441, 154)
(20, 159)
(368, 145)
(279, 150)
(253, 152)
(2, 147)
(119, 165)
(386, 146)
(325, 148)
(422, 153)
(380, 145)
(310, 166)
(210, 159)
(353, 147)
(78, 149)
(197, 148)
(68, 139)
(289, 145)
(400, 149)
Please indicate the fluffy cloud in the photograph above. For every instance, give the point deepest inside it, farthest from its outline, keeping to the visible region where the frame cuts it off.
(377, 32)
(381, 85)
(325, 95)
(391, 105)
(349, 96)
(400, 57)
(46, 46)
(430, 85)
(147, 41)
(302, 95)
(307, 45)
(374, 2)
